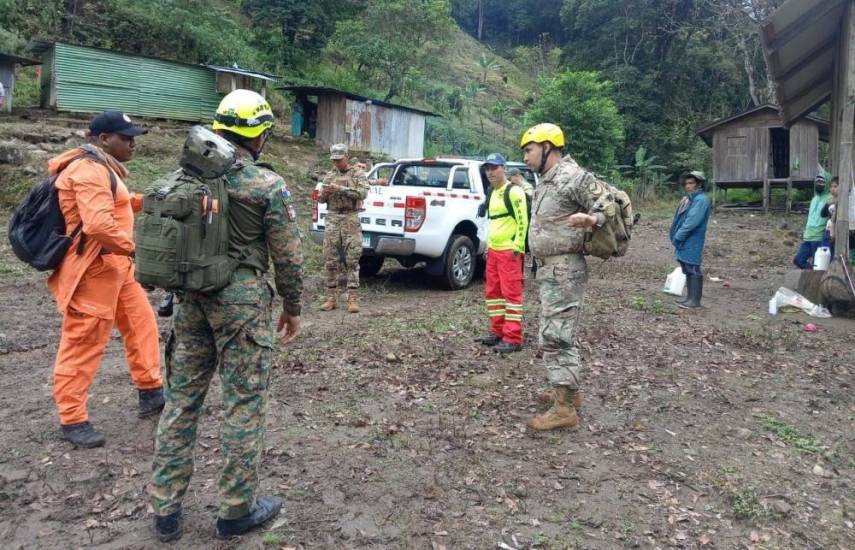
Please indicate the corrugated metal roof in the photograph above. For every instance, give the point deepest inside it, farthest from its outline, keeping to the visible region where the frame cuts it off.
(93, 80)
(237, 70)
(798, 40)
(316, 90)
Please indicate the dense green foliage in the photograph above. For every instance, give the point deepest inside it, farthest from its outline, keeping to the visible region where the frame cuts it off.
(619, 76)
(579, 102)
(380, 44)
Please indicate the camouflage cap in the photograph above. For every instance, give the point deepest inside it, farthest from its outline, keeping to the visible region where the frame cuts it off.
(514, 172)
(696, 174)
(338, 151)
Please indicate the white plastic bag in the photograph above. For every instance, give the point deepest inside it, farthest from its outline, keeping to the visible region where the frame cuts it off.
(675, 282)
(789, 300)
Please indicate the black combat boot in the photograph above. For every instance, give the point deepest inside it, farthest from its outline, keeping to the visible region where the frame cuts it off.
(151, 402)
(696, 290)
(169, 527)
(82, 435)
(490, 340)
(265, 508)
(506, 347)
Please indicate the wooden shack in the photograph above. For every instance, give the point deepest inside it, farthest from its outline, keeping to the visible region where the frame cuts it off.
(756, 150)
(365, 124)
(810, 50)
(7, 77)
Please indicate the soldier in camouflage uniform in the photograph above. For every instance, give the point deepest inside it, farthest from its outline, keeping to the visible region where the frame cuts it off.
(562, 212)
(232, 330)
(343, 189)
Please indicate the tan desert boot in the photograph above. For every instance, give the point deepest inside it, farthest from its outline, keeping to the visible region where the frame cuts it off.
(330, 304)
(549, 396)
(562, 414)
(352, 301)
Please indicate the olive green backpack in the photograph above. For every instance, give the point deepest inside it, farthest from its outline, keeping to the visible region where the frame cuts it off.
(182, 234)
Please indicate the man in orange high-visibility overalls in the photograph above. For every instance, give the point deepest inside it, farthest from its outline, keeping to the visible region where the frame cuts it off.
(94, 286)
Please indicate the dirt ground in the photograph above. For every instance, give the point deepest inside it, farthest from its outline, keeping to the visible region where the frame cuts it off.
(723, 428)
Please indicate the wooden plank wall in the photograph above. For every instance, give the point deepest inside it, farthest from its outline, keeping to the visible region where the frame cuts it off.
(804, 151)
(740, 153)
(331, 119)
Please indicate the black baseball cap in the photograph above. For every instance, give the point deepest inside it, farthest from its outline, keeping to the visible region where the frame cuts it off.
(115, 122)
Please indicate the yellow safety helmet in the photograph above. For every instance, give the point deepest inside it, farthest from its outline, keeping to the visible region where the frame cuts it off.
(541, 133)
(245, 113)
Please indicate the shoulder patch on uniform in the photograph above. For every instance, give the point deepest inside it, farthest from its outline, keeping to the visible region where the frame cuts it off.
(285, 193)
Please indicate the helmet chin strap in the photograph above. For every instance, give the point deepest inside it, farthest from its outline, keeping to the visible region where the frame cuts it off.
(543, 156)
(257, 153)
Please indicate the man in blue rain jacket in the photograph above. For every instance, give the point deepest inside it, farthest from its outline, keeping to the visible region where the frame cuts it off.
(688, 233)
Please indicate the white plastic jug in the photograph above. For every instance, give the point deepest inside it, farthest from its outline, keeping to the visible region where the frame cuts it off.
(675, 282)
(822, 258)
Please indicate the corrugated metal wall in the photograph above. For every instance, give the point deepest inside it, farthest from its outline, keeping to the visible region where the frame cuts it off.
(90, 80)
(395, 132)
(368, 127)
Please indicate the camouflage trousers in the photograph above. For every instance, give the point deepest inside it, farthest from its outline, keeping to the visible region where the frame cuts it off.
(342, 248)
(231, 330)
(562, 290)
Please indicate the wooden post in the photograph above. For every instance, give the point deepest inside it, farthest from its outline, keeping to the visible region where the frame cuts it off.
(789, 195)
(714, 190)
(843, 99)
(766, 195)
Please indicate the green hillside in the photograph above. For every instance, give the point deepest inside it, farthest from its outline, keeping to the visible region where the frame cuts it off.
(480, 109)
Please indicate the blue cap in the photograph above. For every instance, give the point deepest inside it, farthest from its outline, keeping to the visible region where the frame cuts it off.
(495, 159)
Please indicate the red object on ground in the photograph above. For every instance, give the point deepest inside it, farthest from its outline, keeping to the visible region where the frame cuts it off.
(810, 327)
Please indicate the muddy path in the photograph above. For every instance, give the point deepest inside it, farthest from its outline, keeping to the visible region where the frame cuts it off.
(723, 428)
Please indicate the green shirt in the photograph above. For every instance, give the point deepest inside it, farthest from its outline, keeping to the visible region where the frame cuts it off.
(815, 227)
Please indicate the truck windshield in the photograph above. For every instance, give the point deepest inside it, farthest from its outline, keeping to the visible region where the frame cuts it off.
(417, 175)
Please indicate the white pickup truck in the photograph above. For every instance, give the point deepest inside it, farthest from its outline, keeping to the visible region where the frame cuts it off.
(426, 211)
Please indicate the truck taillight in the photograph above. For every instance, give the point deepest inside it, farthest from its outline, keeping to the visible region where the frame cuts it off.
(415, 211)
(315, 206)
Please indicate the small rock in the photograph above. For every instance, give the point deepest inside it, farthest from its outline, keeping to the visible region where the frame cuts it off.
(481, 380)
(79, 133)
(13, 475)
(743, 433)
(391, 357)
(781, 507)
(820, 471)
(12, 153)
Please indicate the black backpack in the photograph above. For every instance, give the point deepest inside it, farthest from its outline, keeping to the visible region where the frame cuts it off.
(509, 207)
(37, 227)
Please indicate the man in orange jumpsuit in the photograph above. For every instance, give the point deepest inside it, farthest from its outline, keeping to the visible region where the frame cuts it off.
(94, 286)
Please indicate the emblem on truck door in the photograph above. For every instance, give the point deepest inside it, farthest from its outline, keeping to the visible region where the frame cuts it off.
(437, 202)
